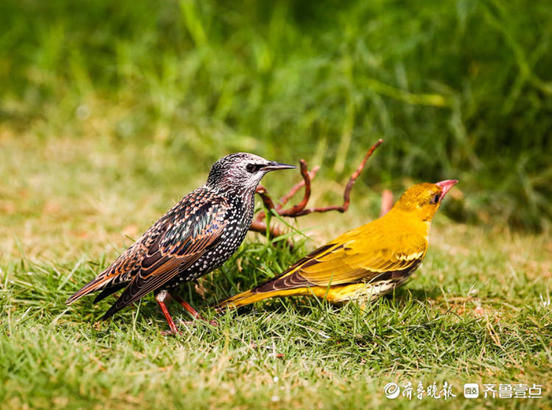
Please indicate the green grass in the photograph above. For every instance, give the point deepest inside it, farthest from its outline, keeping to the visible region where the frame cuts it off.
(111, 111)
(473, 313)
(457, 88)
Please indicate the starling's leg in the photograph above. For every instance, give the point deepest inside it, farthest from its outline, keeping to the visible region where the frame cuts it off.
(161, 297)
(191, 310)
(187, 307)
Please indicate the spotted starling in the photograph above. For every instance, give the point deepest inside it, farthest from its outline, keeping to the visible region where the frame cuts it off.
(193, 238)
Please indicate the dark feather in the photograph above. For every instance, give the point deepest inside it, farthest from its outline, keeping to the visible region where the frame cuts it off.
(108, 291)
(177, 249)
(296, 280)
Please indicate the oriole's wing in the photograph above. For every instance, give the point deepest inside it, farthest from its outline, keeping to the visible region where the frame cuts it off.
(184, 240)
(354, 257)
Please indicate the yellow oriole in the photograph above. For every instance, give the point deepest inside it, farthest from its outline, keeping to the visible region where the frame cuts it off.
(363, 263)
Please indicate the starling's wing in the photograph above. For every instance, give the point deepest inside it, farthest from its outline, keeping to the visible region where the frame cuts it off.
(121, 272)
(183, 242)
(352, 259)
(186, 238)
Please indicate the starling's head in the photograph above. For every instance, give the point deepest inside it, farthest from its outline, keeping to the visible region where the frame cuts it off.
(423, 200)
(242, 171)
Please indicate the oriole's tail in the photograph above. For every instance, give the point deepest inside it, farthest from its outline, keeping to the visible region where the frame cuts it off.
(251, 296)
(254, 295)
(288, 283)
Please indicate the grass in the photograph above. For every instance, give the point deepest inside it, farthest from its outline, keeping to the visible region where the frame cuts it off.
(110, 111)
(475, 312)
(458, 88)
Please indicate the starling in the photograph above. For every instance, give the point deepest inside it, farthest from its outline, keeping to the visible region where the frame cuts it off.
(193, 238)
(366, 262)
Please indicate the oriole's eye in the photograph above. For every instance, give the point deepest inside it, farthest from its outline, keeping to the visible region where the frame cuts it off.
(253, 167)
(435, 199)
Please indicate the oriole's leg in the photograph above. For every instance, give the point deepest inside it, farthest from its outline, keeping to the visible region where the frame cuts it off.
(160, 298)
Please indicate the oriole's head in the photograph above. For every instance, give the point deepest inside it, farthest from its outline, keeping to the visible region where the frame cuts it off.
(423, 200)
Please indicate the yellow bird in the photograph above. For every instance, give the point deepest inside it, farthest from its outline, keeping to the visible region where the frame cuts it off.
(366, 262)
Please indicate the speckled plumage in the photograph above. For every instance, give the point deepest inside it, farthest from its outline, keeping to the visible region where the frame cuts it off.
(193, 238)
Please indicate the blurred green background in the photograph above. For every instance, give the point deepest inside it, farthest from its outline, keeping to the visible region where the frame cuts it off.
(456, 88)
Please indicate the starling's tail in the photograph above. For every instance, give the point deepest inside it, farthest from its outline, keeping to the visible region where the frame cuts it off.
(92, 286)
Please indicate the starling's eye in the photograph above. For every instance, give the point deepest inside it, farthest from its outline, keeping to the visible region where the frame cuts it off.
(253, 167)
(435, 199)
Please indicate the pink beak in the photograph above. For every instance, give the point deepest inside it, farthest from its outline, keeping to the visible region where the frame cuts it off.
(446, 186)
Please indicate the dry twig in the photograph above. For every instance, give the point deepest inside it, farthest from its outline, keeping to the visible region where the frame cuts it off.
(259, 223)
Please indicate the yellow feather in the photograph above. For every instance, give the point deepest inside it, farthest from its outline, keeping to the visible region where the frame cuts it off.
(364, 262)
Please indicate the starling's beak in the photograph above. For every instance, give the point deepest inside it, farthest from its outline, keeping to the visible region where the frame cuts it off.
(446, 186)
(274, 166)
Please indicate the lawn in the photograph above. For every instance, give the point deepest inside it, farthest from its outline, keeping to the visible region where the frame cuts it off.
(477, 311)
(111, 111)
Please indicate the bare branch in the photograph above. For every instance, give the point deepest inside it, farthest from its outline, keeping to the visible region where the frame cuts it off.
(259, 224)
(307, 179)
